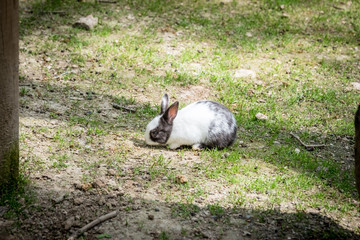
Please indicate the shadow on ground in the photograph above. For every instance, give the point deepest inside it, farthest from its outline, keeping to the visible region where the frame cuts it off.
(58, 211)
(58, 214)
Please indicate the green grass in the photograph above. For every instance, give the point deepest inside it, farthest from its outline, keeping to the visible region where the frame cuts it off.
(59, 161)
(17, 199)
(216, 210)
(305, 55)
(185, 210)
(159, 166)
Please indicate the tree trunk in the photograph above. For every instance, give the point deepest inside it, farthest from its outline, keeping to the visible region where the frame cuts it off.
(357, 149)
(9, 94)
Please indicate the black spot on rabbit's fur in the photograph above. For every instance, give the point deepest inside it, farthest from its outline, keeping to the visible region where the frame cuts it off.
(161, 133)
(220, 140)
(222, 130)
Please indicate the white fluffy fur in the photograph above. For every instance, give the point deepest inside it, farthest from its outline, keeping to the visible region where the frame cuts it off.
(190, 126)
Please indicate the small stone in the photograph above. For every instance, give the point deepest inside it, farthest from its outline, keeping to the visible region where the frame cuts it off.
(310, 149)
(244, 73)
(195, 219)
(87, 23)
(321, 168)
(102, 201)
(181, 179)
(5, 223)
(343, 6)
(135, 207)
(78, 201)
(99, 230)
(242, 144)
(69, 223)
(137, 179)
(261, 116)
(22, 201)
(77, 186)
(342, 58)
(3, 210)
(111, 172)
(59, 199)
(355, 86)
(99, 183)
(297, 150)
(85, 186)
(120, 193)
(246, 233)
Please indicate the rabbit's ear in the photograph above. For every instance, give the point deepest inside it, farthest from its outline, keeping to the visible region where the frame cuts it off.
(164, 103)
(171, 113)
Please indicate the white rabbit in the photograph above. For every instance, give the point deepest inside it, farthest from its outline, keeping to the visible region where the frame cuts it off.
(203, 124)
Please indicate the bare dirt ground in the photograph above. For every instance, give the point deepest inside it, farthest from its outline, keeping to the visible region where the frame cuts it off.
(146, 200)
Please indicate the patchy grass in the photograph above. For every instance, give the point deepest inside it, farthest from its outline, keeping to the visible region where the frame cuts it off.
(14, 201)
(305, 56)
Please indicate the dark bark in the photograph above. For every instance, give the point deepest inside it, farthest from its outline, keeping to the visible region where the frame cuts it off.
(357, 149)
(9, 94)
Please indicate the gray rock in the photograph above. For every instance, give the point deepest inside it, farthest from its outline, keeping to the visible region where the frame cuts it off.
(246, 233)
(244, 73)
(261, 116)
(99, 183)
(355, 86)
(225, 155)
(87, 23)
(78, 201)
(69, 223)
(59, 198)
(3, 210)
(111, 172)
(102, 201)
(5, 223)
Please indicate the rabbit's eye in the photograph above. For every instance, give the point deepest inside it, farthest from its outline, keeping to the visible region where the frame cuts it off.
(157, 134)
(153, 134)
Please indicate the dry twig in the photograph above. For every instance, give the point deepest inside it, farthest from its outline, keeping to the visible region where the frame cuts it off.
(107, 1)
(92, 224)
(61, 13)
(117, 106)
(307, 146)
(64, 73)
